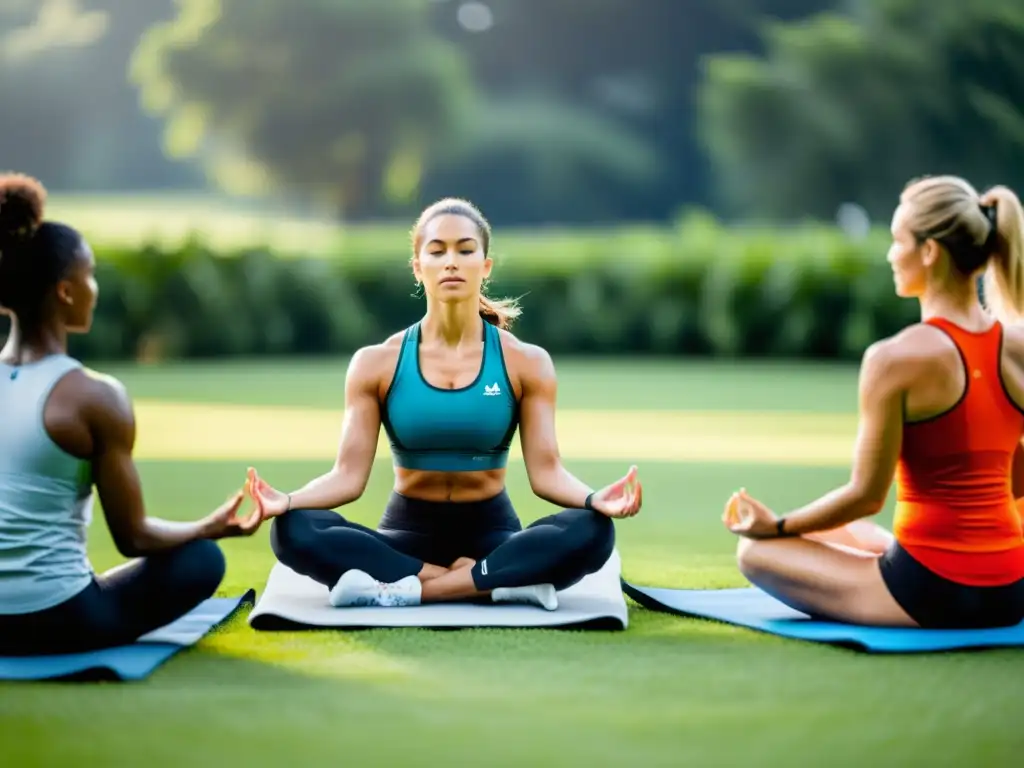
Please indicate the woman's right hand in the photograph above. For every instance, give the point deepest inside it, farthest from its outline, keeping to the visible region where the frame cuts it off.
(224, 522)
(746, 516)
(269, 501)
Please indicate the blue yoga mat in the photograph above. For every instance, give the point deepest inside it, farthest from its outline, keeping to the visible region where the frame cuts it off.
(752, 608)
(128, 662)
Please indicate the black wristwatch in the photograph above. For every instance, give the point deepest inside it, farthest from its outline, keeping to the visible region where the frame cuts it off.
(780, 527)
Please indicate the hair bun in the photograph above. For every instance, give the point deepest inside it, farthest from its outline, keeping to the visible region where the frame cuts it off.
(22, 202)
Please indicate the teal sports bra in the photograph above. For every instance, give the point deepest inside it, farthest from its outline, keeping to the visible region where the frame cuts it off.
(450, 430)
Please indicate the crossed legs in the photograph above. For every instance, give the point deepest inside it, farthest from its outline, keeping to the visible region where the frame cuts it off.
(558, 550)
(832, 575)
(120, 605)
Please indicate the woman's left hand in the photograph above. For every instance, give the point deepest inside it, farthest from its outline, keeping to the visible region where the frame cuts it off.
(623, 498)
(746, 516)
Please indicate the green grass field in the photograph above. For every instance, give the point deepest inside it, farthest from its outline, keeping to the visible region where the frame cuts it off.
(668, 691)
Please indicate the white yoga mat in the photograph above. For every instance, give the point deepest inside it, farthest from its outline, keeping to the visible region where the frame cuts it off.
(291, 601)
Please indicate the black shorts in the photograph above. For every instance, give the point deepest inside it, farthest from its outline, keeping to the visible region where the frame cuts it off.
(935, 602)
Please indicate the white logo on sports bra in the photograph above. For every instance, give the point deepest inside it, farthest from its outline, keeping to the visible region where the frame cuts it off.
(492, 389)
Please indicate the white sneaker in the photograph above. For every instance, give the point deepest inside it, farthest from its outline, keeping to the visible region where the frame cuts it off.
(542, 595)
(358, 588)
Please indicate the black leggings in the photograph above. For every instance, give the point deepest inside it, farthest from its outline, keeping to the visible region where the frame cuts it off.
(559, 549)
(121, 605)
(938, 603)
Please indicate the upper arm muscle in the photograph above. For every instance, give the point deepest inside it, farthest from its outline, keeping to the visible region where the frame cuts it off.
(880, 431)
(1017, 472)
(1013, 377)
(537, 434)
(361, 423)
(112, 423)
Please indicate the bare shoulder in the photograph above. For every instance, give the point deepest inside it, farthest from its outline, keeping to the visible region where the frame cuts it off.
(1013, 342)
(372, 367)
(98, 402)
(530, 362)
(917, 350)
(104, 395)
(374, 358)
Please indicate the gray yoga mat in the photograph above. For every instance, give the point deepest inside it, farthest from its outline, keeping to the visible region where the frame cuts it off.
(291, 601)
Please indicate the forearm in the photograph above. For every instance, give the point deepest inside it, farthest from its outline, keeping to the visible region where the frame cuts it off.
(332, 489)
(156, 535)
(560, 487)
(834, 509)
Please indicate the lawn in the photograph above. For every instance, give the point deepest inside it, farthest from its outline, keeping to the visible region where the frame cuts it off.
(667, 691)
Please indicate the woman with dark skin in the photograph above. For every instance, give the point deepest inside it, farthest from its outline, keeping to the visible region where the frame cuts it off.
(65, 430)
(450, 392)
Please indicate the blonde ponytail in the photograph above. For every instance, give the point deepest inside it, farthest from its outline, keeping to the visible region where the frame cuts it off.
(1004, 277)
(499, 312)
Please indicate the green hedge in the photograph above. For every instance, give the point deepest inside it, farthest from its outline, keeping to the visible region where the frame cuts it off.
(698, 290)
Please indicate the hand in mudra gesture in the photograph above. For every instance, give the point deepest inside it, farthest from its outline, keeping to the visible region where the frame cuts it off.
(623, 498)
(225, 522)
(746, 516)
(269, 501)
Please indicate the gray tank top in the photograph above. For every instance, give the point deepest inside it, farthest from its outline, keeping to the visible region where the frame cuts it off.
(45, 496)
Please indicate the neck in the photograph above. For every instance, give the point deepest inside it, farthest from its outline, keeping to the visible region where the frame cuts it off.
(453, 323)
(957, 300)
(28, 342)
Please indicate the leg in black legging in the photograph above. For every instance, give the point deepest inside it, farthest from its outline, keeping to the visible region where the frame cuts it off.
(153, 591)
(121, 605)
(322, 545)
(559, 549)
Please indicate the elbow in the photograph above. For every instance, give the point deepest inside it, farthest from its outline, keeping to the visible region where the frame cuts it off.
(348, 484)
(867, 502)
(131, 544)
(873, 506)
(136, 540)
(355, 489)
(542, 476)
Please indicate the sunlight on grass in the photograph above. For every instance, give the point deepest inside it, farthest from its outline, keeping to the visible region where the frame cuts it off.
(323, 654)
(183, 431)
(128, 221)
(665, 567)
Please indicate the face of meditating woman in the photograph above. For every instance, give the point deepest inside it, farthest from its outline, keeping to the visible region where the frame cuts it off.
(450, 261)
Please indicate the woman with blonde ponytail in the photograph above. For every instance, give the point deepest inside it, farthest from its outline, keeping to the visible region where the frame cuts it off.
(942, 413)
(450, 391)
(1004, 276)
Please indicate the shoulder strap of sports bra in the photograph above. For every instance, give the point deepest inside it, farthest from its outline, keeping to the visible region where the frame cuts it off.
(492, 338)
(980, 350)
(408, 354)
(962, 336)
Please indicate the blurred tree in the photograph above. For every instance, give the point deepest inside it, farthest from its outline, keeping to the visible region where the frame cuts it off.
(850, 108)
(69, 114)
(341, 101)
(531, 159)
(626, 69)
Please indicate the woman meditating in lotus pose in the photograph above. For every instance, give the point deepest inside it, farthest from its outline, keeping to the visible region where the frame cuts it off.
(942, 410)
(450, 392)
(63, 432)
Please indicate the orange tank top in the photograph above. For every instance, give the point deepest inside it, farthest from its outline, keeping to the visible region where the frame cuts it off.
(955, 511)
